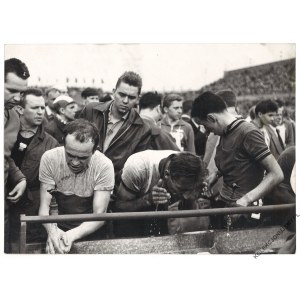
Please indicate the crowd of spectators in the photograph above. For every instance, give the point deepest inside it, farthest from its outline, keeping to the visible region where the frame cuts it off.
(277, 77)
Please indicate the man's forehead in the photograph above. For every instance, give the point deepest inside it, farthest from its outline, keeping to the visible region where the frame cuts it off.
(12, 81)
(176, 103)
(128, 89)
(271, 113)
(74, 145)
(33, 100)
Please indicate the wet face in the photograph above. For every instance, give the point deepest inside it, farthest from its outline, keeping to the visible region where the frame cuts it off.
(34, 111)
(78, 155)
(181, 188)
(174, 111)
(52, 95)
(91, 99)
(13, 86)
(268, 118)
(125, 97)
(69, 111)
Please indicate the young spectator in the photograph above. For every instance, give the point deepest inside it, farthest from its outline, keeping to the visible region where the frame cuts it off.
(285, 126)
(151, 113)
(242, 157)
(121, 129)
(180, 130)
(266, 114)
(50, 95)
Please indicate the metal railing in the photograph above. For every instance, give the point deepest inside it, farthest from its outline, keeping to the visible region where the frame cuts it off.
(144, 215)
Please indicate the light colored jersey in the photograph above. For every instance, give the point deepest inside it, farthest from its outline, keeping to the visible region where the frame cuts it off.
(99, 176)
(141, 171)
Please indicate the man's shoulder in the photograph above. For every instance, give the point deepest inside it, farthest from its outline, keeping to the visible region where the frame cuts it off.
(185, 124)
(100, 106)
(54, 154)
(50, 139)
(101, 159)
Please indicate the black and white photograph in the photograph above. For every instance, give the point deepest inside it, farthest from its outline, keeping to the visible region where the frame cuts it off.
(121, 155)
(149, 149)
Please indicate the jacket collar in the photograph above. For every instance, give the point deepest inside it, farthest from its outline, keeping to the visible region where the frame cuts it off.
(133, 116)
(164, 121)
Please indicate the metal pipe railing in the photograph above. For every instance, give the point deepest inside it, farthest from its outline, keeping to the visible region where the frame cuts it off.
(156, 214)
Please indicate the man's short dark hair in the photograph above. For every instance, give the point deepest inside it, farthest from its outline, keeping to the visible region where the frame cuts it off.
(83, 131)
(252, 112)
(88, 92)
(188, 165)
(30, 91)
(187, 106)
(266, 106)
(207, 103)
(16, 66)
(132, 79)
(170, 98)
(280, 103)
(150, 100)
(228, 96)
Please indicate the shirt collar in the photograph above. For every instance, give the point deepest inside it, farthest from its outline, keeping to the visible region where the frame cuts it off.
(110, 115)
(24, 129)
(233, 125)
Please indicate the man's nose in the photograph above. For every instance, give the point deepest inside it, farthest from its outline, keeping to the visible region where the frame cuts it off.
(75, 162)
(125, 99)
(17, 96)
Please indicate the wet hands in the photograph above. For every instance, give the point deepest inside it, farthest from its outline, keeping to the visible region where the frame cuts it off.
(58, 241)
(159, 195)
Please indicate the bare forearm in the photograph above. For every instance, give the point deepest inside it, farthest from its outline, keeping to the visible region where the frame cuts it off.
(267, 185)
(85, 229)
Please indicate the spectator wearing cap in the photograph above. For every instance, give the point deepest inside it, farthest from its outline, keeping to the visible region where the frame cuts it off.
(65, 108)
(50, 95)
(89, 95)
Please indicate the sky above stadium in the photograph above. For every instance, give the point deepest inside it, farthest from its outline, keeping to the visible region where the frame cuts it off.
(163, 67)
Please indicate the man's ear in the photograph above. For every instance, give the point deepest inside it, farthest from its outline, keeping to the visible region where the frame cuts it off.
(211, 117)
(62, 110)
(259, 114)
(167, 173)
(19, 109)
(165, 109)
